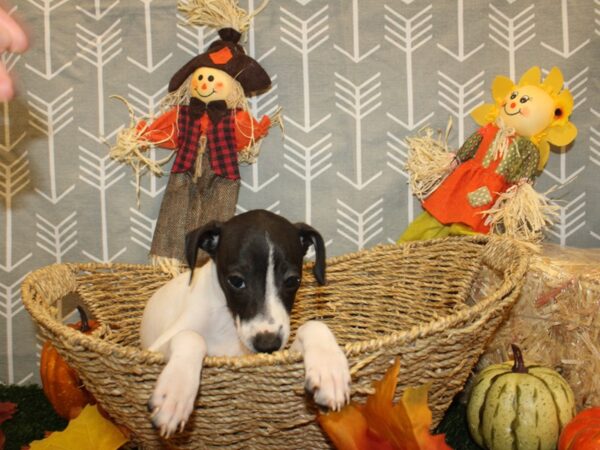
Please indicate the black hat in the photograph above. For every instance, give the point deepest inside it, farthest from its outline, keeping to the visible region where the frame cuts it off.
(227, 55)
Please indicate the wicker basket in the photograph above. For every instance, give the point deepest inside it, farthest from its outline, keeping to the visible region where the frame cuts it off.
(410, 301)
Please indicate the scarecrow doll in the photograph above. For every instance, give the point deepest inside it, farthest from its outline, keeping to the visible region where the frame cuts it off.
(486, 186)
(208, 125)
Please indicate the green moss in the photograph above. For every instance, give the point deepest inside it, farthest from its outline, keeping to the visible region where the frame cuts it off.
(34, 416)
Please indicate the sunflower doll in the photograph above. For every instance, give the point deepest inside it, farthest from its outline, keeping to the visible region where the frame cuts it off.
(487, 185)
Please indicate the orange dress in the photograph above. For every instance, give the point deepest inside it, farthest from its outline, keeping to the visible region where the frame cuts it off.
(475, 185)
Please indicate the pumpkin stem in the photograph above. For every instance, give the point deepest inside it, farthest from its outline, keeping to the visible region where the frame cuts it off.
(85, 324)
(519, 366)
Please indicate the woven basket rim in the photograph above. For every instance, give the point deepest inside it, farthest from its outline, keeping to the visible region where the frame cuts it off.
(137, 355)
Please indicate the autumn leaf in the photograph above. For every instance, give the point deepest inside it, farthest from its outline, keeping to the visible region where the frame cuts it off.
(381, 425)
(89, 431)
(7, 409)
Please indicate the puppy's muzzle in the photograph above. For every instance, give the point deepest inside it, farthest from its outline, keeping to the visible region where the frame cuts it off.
(267, 342)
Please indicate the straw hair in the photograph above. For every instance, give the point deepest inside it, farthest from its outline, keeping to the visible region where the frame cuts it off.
(429, 162)
(522, 213)
(218, 13)
(413, 302)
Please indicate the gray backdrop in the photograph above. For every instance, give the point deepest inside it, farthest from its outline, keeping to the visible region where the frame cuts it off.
(354, 78)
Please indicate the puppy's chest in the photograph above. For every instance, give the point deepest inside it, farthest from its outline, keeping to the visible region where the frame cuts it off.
(222, 338)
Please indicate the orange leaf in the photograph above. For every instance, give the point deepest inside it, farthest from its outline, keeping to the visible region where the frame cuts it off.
(380, 425)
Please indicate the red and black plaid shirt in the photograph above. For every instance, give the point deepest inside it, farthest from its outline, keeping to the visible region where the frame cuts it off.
(220, 143)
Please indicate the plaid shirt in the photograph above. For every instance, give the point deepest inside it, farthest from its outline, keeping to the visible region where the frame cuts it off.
(220, 142)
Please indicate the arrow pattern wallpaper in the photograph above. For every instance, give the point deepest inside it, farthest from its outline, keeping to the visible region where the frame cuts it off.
(353, 78)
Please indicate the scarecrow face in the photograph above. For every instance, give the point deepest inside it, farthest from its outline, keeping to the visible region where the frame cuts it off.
(527, 109)
(209, 85)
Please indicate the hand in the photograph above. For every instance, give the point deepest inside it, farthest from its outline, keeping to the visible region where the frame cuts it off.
(12, 39)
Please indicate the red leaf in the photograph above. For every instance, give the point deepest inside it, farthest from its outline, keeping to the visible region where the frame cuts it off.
(7, 409)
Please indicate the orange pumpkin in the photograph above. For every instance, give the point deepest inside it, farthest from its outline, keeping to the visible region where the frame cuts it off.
(60, 382)
(583, 432)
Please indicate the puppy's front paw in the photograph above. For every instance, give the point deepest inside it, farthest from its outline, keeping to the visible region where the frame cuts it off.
(173, 398)
(327, 376)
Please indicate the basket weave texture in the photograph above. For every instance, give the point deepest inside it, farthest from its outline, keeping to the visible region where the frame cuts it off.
(411, 301)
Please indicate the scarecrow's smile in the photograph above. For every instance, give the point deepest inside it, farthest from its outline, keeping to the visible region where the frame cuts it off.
(204, 96)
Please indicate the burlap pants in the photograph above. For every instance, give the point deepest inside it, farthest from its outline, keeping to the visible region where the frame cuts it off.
(189, 204)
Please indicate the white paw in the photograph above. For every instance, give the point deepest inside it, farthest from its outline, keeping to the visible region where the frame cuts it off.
(173, 398)
(327, 376)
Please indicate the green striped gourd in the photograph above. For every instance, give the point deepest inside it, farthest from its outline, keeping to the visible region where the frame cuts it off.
(513, 407)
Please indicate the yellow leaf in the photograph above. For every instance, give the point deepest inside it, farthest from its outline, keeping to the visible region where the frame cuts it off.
(89, 431)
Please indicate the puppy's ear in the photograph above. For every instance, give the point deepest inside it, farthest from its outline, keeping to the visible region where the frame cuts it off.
(309, 236)
(206, 238)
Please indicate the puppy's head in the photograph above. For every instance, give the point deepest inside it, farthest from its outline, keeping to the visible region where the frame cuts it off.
(259, 256)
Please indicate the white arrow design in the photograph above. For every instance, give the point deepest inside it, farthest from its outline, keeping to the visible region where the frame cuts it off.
(10, 306)
(192, 39)
(142, 228)
(47, 6)
(360, 228)
(9, 60)
(97, 14)
(57, 240)
(578, 88)
(595, 141)
(597, 19)
(50, 118)
(101, 173)
(460, 22)
(355, 56)
(307, 163)
(511, 33)
(571, 219)
(149, 65)
(273, 207)
(398, 156)
(563, 177)
(408, 35)
(99, 50)
(460, 99)
(14, 177)
(358, 102)
(305, 36)
(259, 106)
(566, 51)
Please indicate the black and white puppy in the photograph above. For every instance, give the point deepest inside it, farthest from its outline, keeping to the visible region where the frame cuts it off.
(239, 302)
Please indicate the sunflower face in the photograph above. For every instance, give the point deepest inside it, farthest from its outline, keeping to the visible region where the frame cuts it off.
(528, 109)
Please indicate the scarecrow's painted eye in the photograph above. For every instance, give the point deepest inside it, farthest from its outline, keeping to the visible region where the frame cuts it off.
(514, 95)
(524, 99)
(211, 78)
(200, 77)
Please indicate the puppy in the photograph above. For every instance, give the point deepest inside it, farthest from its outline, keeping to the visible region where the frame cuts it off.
(238, 303)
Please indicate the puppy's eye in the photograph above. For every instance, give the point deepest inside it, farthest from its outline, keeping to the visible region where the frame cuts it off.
(236, 282)
(292, 282)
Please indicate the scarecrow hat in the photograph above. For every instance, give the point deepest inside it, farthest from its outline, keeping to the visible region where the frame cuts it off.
(227, 55)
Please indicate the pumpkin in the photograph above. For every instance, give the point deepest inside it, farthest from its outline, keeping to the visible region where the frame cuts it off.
(62, 386)
(583, 432)
(514, 407)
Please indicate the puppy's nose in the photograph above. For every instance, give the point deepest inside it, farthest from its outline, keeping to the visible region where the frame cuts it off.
(267, 342)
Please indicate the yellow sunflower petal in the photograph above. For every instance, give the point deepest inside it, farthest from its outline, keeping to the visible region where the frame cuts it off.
(562, 135)
(501, 87)
(532, 76)
(484, 114)
(554, 81)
